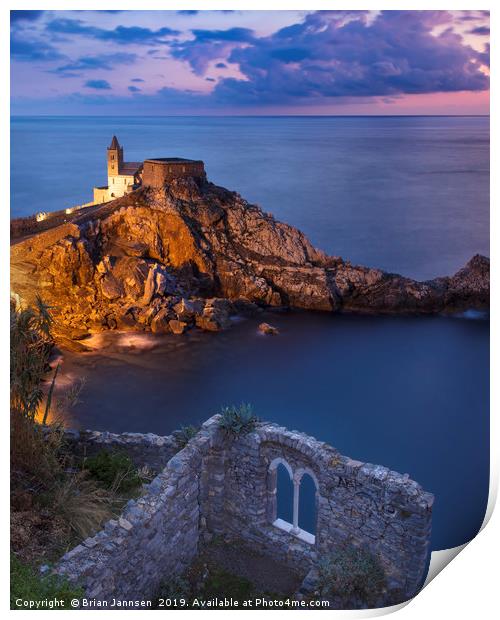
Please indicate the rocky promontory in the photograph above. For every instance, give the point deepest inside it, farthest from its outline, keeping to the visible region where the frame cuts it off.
(192, 254)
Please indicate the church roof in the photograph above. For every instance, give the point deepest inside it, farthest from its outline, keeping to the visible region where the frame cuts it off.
(114, 143)
(130, 167)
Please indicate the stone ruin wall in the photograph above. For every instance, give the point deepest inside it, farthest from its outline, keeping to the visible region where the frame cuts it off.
(145, 450)
(219, 486)
(158, 173)
(358, 502)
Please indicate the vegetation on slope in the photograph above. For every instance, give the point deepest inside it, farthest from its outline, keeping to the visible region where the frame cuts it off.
(56, 499)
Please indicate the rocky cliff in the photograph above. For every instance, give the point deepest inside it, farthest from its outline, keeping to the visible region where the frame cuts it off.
(193, 253)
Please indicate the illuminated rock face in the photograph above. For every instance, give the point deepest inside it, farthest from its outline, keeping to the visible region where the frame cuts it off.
(122, 263)
(221, 485)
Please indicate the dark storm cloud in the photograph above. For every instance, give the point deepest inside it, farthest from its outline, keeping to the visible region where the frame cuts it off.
(18, 16)
(98, 84)
(327, 58)
(232, 34)
(85, 63)
(340, 54)
(121, 34)
(483, 31)
(470, 16)
(32, 50)
(209, 45)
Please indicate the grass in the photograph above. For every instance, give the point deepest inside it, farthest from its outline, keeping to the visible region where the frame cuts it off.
(227, 570)
(82, 504)
(184, 435)
(351, 573)
(221, 583)
(114, 470)
(27, 584)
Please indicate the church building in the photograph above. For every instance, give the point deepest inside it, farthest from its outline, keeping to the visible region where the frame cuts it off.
(126, 176)
(123, 176)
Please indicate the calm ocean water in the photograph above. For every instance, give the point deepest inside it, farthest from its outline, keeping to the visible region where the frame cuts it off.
(405, 194)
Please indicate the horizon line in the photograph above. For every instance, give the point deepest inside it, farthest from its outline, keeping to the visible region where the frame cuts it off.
(249, 115)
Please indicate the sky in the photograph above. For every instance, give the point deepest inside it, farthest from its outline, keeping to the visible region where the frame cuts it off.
(249, 62)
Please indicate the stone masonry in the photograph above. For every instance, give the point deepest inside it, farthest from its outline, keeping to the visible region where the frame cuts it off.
(223, 485)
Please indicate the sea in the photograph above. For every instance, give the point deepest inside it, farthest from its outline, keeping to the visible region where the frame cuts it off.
(406, 194)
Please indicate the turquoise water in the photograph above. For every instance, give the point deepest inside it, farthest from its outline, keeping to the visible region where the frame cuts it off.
(404, 194)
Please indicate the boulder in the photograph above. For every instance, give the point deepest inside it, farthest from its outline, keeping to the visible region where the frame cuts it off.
(160, 323)
(111, 288)
(266, 328)
(177, 327)
(208, 324)
(149, 287)
(186, 309)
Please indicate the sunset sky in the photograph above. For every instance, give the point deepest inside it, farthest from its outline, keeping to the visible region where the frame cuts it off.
(250, 62)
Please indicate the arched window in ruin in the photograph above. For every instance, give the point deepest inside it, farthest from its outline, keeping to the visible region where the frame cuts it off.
(280, 492)
(301, 520)
(284, 494)
(307, 504)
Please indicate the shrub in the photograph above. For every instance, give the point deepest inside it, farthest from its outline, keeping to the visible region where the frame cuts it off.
(185, 434)
(238, 420)
(35, 451)
(351, 572)
(175, 588)
(30, 346)
(84, 506)
(221, 583)
(27, 584)
(114, 470)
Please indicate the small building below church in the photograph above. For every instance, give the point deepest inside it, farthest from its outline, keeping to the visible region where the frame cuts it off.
(125, 176)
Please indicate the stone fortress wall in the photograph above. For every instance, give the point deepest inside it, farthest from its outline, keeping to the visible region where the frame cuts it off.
(218, 485)
(158, 172)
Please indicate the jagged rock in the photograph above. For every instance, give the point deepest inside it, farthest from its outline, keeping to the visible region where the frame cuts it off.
(187, 309)
(149, 287)
(177, 327)
(191, 240)
(160, 283)
(208, 324)
(111, 287)
(245, 307)
(265, 328)
(128, 320)
(104, 265)
(160, 323)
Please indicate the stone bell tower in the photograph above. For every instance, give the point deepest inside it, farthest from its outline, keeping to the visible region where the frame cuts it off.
(115, 157)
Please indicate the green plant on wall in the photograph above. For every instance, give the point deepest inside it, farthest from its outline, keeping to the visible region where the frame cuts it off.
(238, 420)
(185, 434)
